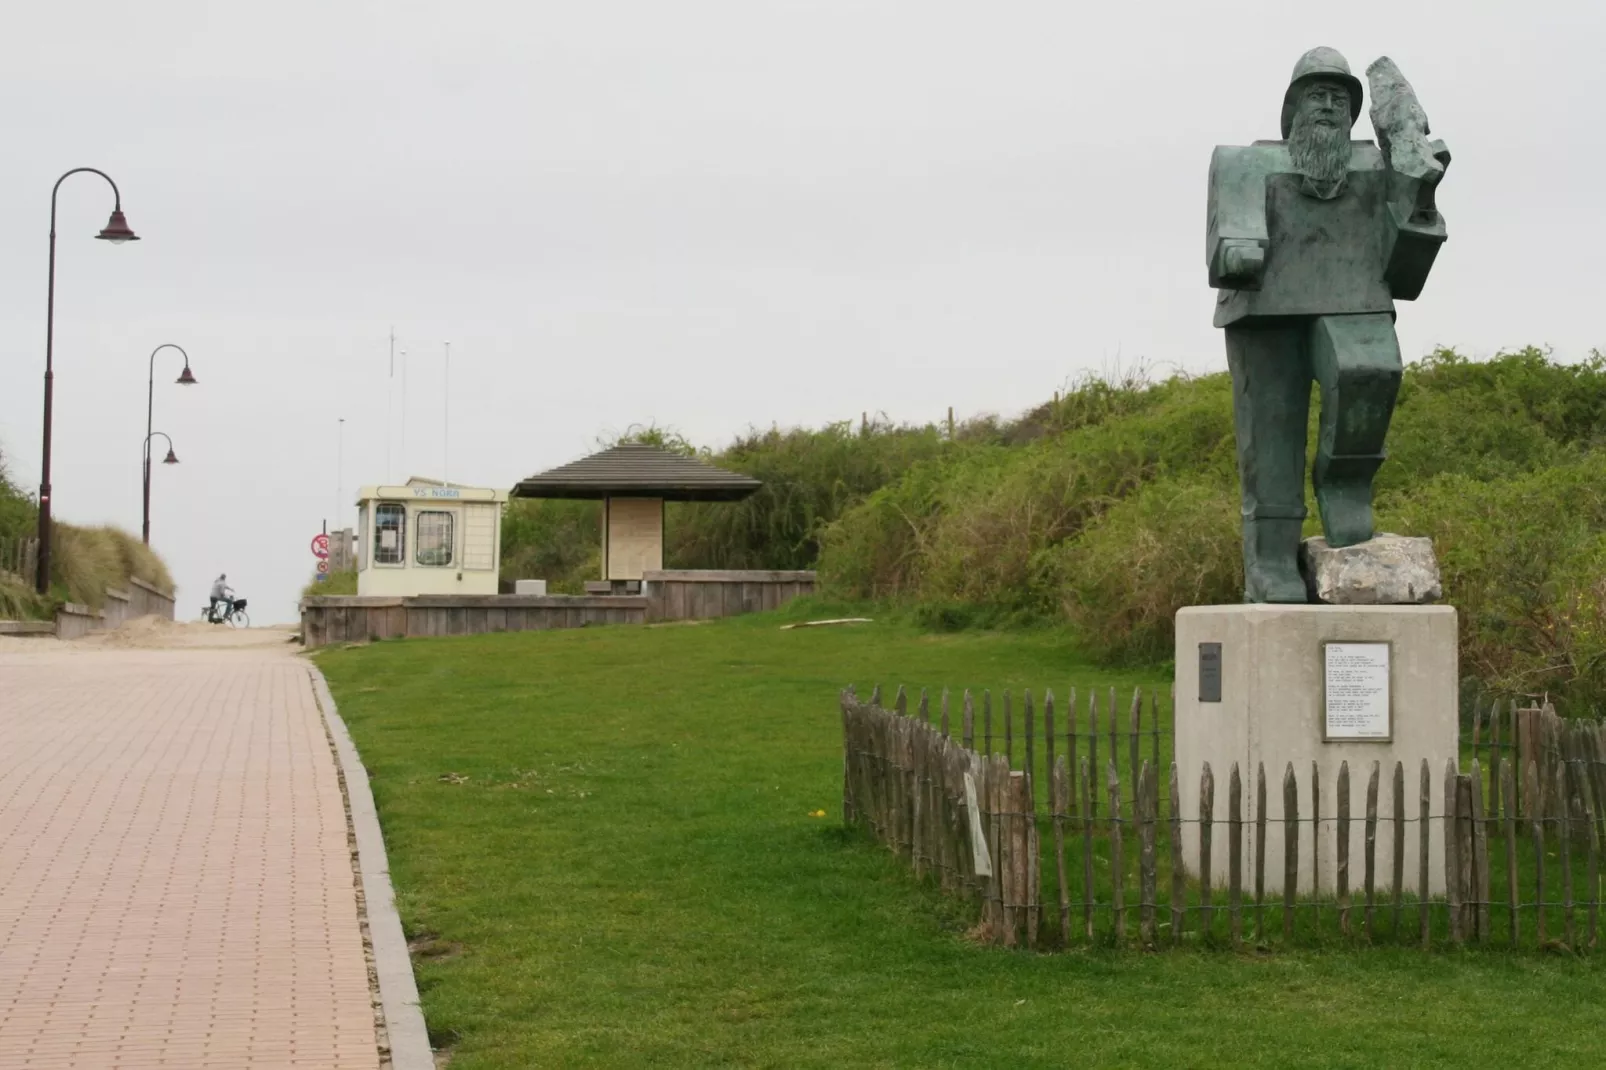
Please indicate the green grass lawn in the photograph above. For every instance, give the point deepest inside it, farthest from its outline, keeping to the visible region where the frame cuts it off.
(601, 841)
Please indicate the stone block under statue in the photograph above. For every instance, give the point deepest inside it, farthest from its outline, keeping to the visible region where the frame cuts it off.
(1251, 688)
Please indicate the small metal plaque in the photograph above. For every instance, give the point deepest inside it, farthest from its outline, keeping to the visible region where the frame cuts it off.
(1209, 672)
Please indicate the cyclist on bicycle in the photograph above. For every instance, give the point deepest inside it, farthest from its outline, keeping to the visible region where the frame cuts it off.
(222, 594)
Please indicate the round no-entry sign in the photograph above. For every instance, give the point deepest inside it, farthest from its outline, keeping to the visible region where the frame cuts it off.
(323, 568)
(320, 546)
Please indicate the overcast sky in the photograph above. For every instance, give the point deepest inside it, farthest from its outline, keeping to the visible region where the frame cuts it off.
(705, 214)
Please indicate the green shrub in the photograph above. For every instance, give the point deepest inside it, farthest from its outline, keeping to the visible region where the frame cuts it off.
(810, 478)
(975, 528)
(1175, 543)
(557, 540)
(338, 583)
(1524, 562)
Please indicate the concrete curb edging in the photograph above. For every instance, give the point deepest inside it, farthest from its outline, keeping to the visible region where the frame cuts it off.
(398, 991)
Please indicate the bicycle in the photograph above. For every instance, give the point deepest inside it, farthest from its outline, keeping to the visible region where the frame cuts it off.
(233, 614)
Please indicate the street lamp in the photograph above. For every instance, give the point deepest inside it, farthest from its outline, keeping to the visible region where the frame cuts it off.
(184, 379)
(117, 232)
(171, 458)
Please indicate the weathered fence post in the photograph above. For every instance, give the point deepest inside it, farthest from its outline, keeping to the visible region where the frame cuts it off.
(1070, 752)
(969, 722)
(1032, 859)
(1399, 845)
(1422, 862)
(1452, 854)
(1508, 785)
(1060, 787)
(1235, 853)
(1260, 851)
(1048, 729)
(1290, 849)
(1133, 745)
(1343, 848)
(1087, 850)
(1146, 804)
(1564, 844)
(1371, 852)
(918, 818)
(1154, 722)
(1588, 816)
(991, 824)
(1535, 816)
(1480, 856)
(1316, 844)
(1466, 840)
(1179, 890)
(1115, 752)
(1117, 869)
(1093, 747)
(1207, 813)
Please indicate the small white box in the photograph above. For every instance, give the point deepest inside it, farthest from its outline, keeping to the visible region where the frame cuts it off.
(529, 587)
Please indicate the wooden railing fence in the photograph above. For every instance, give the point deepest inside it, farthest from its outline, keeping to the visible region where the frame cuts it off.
(987, 831)
(19, 557)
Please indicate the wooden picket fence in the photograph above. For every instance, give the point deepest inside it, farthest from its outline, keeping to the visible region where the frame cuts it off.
(986, 832)
(19, 557)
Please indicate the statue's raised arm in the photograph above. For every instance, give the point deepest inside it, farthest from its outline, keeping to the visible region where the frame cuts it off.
(1415, 168)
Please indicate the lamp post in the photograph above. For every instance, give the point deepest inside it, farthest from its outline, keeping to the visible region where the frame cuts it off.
(171, 458)
(184, 379)
(446, 419)
(115, 231)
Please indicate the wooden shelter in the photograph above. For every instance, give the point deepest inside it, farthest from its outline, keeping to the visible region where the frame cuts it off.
(633, 482)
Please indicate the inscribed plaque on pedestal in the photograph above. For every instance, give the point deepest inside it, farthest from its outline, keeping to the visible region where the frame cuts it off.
(1356, 692)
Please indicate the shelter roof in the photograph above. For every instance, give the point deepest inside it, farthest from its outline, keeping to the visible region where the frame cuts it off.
(633, 470)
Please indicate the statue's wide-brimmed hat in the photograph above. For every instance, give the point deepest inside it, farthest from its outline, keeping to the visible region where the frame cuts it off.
(1321, 63)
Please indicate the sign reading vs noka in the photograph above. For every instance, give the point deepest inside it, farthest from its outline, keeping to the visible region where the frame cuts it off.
(1356, 692)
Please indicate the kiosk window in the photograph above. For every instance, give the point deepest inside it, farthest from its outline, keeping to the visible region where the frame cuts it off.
(390, 527)
(434, 539)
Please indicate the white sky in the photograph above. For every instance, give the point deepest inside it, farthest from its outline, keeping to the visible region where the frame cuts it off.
(705, 214)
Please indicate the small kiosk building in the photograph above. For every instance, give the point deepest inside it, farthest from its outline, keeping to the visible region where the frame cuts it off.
(428, 538)
(633, 481)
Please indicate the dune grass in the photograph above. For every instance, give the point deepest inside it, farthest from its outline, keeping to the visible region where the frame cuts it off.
(602, 847)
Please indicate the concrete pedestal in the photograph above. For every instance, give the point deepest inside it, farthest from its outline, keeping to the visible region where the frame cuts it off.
(1271, 711)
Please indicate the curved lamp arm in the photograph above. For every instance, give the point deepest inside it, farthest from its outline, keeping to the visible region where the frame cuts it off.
(168, 345)
(116, 229)
(152, 435)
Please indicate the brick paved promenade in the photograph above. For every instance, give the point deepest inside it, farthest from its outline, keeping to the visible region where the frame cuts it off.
(176, 883)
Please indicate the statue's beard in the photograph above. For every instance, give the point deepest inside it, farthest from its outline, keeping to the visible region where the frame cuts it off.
(1321, 154)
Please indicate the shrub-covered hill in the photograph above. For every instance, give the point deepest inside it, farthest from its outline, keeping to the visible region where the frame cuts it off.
(1116, 504)
(86, 560)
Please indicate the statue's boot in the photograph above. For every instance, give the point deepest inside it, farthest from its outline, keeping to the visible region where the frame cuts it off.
(1271, 561)
(1344, 497)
